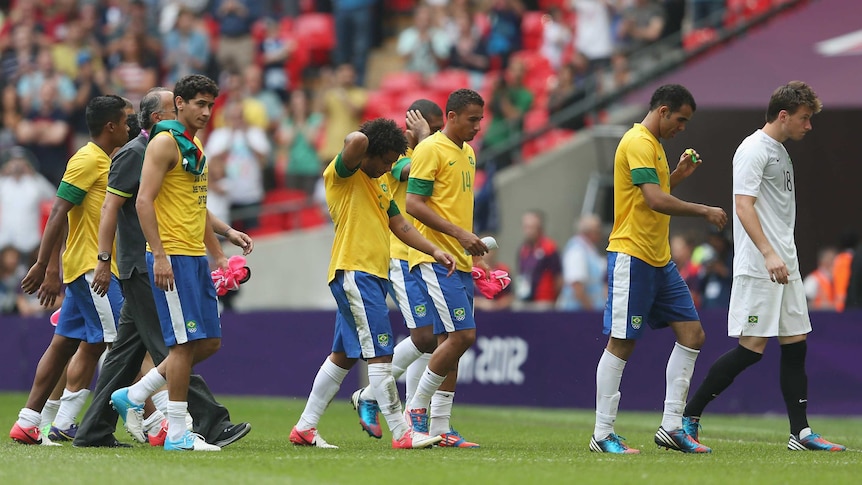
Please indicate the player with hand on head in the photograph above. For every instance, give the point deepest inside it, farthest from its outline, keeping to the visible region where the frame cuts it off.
(440, 198)
(644, 286)
(767, 298)
(88, 321)
(361, 206)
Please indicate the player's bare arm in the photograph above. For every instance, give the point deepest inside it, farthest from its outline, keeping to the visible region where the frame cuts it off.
(160, 157)
(237, 238)
(355, 145)
(107, 230)
(411, 237)
(57, 221)
(665, 203)
(775, 266)
(214, 246)
(417, 206)
(53, 284)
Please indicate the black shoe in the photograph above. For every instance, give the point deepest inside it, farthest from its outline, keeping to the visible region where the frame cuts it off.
(107, 442)
(232, 433)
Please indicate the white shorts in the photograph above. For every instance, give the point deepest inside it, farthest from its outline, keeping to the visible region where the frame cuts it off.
(762, 308)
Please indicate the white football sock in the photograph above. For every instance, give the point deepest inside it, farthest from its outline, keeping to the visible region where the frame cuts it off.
(144, 388)
(70, 406)
(381, 380)
(804, 433)
(428, 385)
(326, 385)
(49, 412)
(177, 419)
(405, 353)
(680, 367)
(609, 373)
(441, 411)
(413, 374)
(367, 394)
(160, 400)
(27, 418)
(153, 422)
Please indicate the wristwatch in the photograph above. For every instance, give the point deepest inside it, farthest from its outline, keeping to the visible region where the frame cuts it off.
(104, 256)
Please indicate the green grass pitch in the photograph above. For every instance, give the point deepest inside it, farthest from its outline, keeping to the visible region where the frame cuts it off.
(519, 445)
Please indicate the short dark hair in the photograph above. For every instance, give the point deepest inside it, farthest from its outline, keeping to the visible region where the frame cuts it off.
(151, 103)
(102, 110)
(190, 86)
(426, 108)
(384, 136)
(674, 96)
(461, 98)
(790, 97)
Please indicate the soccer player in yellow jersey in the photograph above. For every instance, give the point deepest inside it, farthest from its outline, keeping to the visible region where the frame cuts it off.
(87, 320)
(361, 206)
(440, 198)
(644, 285)
(171, 207)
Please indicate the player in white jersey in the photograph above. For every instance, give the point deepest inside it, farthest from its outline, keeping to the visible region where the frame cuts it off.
(768, 298)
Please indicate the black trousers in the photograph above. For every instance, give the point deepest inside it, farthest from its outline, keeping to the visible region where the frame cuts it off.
(139, 332)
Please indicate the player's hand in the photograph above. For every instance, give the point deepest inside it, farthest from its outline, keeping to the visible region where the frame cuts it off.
(716, 216)
(417, 126)
(445, 259)
(34, 278)
(101, 278)
(472, 244)
(242, 240)
(479, 261)
(776, 268)
(222, 263)
(687, 165)
(163, 274)
(49, 291)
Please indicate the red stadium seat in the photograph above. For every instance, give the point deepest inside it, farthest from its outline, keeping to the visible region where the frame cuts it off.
(317, 33)
(449, 80)
(398, 82)
(377, 104)
(532, 30)
(698, 37)
(534, 119)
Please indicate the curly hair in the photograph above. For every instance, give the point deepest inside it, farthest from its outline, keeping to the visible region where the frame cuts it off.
(384, 136)
(790, 97)
(674, 96)
(190, 86)
(461, 98)
(101, 110)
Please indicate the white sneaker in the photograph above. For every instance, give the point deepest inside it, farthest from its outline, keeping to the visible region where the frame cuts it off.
(309, 437)
(190, 442)
(414, 440)
(47, 441)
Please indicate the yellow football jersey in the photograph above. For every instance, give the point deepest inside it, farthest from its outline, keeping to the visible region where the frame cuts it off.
(638, 230)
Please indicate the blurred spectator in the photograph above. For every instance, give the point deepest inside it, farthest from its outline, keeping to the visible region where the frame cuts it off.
(593, 35)
(469, 51)
(819, 289)
(842, 266)
(504, 38)
(187, 48)
(707, 13)
(243, 149)
(30, 86)
(272, 103)
(510, 101)
(10, 117)
(423, 46)
(218, 195)
(715, 271)
(641, 24)
(19, 57)
(235, 18)
(354, 25)
(89, 83)
(76, 44)
(12, 271)
(619, 76)
(275, 50)
(22, 192)
(556, 36)
(133, 69)
(681, 249)
(584, 269)
(233, 88)
(504, 299)
(343, 104)
(567, 90)
(46, 133)
(539, 269)
(134, 18)
(854, 285)
(297, 136)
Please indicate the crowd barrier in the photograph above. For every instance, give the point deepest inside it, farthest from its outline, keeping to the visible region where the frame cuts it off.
(523, 359)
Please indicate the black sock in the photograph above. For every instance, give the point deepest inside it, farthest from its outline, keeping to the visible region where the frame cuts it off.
(720, 376)
(794, 385)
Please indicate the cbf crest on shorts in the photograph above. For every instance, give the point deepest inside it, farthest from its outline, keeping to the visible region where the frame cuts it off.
(460, 314)
(384, 340)
(637, 321)
(191, 326)
(420, 310)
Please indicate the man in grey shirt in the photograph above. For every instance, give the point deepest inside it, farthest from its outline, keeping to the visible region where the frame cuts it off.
(139, 329)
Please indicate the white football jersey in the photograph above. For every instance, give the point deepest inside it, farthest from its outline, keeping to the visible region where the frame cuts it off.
(762, 169)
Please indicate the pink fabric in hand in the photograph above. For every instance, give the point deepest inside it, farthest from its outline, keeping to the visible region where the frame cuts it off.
(236, 274)
(490, 288)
